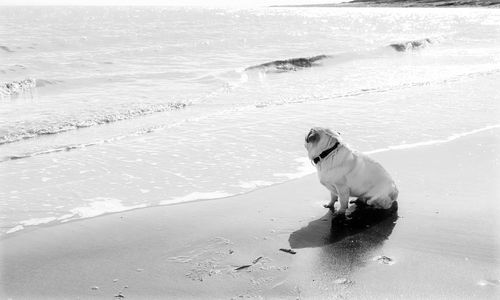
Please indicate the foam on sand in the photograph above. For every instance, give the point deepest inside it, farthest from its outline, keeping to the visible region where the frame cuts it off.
(255, 184)
(96, 207)
(196, 196)
(37, 221)
(434, 142)
(31, 222)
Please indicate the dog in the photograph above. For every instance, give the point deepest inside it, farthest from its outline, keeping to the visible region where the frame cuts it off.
(348, 173)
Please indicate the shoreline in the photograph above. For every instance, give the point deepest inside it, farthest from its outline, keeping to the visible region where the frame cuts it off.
(229, 247)
(57, 220)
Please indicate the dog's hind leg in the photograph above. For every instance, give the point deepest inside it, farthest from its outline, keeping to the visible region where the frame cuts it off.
(380, 202)
(385, 199)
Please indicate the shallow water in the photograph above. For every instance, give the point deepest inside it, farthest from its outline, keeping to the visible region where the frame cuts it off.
(136, 107)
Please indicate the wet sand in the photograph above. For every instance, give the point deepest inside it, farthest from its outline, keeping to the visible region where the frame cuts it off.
(442, 243)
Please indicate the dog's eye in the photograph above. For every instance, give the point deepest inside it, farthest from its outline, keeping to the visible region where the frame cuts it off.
(311, 137)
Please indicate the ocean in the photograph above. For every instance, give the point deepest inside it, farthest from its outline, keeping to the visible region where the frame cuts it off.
(105, 109)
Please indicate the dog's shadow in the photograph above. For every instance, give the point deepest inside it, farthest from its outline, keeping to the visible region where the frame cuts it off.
(364, 225)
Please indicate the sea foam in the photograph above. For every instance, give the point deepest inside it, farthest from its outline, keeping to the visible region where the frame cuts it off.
(196, 196)
(96, 207)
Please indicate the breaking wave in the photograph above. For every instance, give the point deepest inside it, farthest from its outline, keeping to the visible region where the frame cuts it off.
(17, 87)
(411, 45)
(294, 64)
(33, 132)
(291, 64)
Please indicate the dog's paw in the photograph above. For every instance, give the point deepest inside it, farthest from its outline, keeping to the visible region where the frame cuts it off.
(329, 206)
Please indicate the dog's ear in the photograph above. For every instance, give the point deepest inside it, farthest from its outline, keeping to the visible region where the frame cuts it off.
(333, 134)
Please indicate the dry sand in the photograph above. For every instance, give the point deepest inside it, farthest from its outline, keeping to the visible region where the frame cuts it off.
(444, 243)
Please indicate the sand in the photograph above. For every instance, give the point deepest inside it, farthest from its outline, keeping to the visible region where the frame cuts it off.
(443, 243)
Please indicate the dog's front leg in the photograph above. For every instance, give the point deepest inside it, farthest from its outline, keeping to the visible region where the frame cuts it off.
(343, 194)
(333, 199)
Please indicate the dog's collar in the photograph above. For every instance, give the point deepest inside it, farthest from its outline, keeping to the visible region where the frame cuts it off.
(325, 153)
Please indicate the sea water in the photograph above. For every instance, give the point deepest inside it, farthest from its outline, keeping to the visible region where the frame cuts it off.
(105, 109)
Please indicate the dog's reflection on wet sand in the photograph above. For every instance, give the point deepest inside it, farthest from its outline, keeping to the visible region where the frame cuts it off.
(364, 223)
(345, 244)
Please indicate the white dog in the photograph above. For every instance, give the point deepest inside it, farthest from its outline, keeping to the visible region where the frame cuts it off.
(348, 173)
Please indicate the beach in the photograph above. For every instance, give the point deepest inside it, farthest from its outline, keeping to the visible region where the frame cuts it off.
(199, 103)
(443, 244)
(158, 152)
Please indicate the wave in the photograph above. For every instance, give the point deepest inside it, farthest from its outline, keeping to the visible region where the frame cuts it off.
(6, 49)
(45, 82)
(48, 151)
(12, 68)
(70, 147)
(48, 129)
(411, 45)
(17, 87)
(294, 64)
(291, 64)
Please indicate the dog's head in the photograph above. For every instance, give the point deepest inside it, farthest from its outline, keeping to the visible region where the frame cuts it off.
(319, 139)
